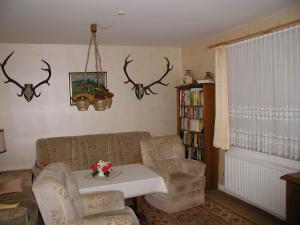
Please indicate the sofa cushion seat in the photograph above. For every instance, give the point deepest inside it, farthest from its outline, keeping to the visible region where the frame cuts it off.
(11, 186)
(181, 182)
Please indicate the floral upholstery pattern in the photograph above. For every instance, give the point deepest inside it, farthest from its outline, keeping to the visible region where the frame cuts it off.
(184, 177)
(79, 152)
(60, 202)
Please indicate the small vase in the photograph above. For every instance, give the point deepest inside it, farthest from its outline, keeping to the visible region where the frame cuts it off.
(101, 174)
(188, 77)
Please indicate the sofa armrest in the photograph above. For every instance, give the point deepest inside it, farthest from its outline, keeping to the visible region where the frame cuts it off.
(164, 175)
(194, 167)
(111, 220)
(99, 202)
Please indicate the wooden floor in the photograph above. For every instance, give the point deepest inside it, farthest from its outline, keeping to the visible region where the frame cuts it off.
(253, 213)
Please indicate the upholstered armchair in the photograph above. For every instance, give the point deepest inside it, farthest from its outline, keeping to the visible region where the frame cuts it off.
(60, 202)
(184, 177)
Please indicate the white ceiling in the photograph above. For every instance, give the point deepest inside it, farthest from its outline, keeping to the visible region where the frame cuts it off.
(145, 23)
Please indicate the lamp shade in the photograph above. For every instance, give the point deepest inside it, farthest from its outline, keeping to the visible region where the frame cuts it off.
(2, 141)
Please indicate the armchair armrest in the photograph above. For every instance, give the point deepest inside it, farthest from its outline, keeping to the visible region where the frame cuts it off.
(111, 220)
(164, 175)
(99, 202)
(194, 167)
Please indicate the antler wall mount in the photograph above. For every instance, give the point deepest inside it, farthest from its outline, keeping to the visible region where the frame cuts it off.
(28, 90)
(140, 89)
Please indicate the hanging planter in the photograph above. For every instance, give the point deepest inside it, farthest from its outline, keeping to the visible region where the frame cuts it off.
(103, 100)
(82, 104)
(90, 88)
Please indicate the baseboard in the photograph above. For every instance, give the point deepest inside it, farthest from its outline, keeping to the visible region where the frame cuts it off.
(221, 187)
(254, 204)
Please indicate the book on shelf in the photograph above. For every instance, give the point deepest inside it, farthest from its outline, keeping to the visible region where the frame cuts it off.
(205, 81)
(193, 96)
(193, 139)
(195, 112)
(194, 125)
(194, 153)
(185, 124)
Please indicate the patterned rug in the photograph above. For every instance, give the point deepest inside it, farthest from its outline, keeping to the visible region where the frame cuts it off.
(210, 213)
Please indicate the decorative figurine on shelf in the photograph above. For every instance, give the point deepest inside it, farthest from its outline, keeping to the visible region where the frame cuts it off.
(209, 76)
(187, 77)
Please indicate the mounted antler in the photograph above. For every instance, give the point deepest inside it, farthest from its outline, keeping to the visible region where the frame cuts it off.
(10, 79)
(28, 90)
(139, 88)
(44, 81)
(125, 71)
(159, 81)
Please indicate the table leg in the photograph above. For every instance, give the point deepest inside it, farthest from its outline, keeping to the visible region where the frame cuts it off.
(137, 207)
(139, 204)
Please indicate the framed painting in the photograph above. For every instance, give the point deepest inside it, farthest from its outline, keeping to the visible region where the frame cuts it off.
(88, 84)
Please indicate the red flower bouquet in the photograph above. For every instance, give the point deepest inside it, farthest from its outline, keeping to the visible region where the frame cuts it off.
(101, 168)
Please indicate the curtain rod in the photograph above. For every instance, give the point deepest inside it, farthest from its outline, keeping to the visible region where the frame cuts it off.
(262, 32)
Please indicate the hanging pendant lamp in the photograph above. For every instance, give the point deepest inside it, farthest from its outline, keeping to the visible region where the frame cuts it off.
(98, 96)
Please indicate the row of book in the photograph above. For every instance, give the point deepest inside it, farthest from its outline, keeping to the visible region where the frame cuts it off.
(193, 96)
(188, 124)
(195, 112)
(193, 139)
(194, 153)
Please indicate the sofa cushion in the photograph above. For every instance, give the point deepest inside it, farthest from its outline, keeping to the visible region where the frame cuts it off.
(11, 186)
(182, 183)
(25, 175)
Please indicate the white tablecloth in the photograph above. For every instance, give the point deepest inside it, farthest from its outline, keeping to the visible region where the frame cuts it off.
(135, 180)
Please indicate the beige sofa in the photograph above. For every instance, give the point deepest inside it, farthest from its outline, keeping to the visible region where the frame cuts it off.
(79, 152)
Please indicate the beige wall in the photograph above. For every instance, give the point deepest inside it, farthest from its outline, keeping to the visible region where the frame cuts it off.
(198, 58)
(51, 115)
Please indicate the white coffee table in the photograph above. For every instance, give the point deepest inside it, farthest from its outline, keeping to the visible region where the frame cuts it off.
(135, 180)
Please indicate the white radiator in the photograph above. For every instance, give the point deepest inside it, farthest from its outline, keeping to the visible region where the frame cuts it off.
(255, 178)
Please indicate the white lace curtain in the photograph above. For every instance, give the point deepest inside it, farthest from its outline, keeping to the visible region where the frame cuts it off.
(264, 93)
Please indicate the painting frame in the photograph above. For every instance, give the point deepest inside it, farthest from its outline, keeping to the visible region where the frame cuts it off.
(94, 79)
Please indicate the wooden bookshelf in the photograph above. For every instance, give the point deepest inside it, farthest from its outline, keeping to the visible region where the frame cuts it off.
(195, 126)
